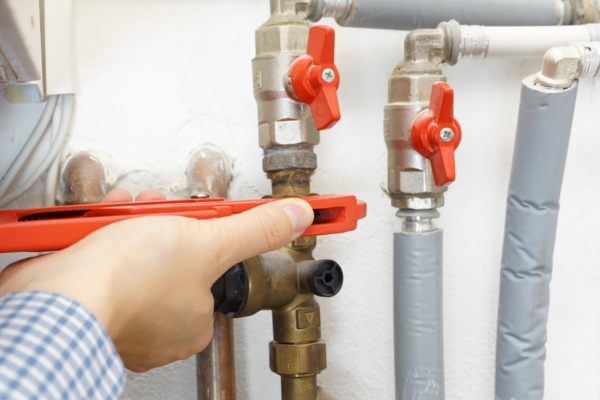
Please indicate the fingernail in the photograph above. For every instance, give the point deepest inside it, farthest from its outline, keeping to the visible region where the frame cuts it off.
(300, 217)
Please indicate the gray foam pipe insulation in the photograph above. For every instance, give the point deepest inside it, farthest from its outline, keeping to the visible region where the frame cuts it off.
(415, 14)
(418, 329)
(542, 140)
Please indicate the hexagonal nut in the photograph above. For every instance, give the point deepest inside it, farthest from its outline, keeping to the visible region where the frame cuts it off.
(412, 181)
(280, 161)
(409, 172)
(281, 39)
(286, 133)
(412, 88)
(294, 359)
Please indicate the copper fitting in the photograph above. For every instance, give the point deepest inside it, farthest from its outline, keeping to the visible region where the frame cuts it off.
(83, 180)
(209, 172)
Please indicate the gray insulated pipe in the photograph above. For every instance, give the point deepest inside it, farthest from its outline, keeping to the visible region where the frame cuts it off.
(540, 154)
(418, 329)
(415, 14)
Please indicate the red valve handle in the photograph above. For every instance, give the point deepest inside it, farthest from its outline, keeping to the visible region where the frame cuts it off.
(315, 78)
(436, 134)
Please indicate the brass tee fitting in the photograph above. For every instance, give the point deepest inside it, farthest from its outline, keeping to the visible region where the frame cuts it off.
(287, 286)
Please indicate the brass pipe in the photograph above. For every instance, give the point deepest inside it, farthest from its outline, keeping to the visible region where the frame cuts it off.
(297, 353)
(209, 176)
(291, 182)
(290, 385)
(296, 326)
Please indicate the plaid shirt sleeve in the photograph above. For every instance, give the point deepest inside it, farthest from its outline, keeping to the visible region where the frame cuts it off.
(53, 348)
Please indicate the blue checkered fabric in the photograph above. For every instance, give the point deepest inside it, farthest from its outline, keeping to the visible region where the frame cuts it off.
(53, 348)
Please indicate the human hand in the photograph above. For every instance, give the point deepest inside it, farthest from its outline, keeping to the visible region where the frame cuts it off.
(148, 279)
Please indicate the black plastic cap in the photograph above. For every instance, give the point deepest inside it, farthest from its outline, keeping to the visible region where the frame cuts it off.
(230, 291)
(326, 278)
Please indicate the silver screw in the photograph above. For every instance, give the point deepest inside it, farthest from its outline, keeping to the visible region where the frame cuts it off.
(328, 75)
(199, 195)
(446, 135)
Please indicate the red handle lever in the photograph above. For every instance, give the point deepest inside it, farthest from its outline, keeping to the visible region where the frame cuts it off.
(436, 134)
(315, 78)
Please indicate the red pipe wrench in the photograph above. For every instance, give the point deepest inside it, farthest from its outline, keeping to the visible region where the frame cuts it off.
(55, 228)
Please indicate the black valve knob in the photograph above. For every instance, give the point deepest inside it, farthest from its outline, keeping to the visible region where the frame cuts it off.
(230, 291)
(325, 278)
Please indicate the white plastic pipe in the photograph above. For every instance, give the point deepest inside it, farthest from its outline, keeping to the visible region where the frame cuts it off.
(55, 147)
(51, 180)
(519, 42)
(30, 145)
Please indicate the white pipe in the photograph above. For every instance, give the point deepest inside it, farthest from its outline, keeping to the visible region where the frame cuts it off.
(519, 42)
(29, 147)
(50, 156)
(52, 175)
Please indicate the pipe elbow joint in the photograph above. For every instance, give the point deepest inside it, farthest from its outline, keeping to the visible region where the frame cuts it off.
(560, 67)
(564, 65)
(425, 49)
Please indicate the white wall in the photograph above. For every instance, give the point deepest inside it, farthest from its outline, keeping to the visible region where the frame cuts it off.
(157, 78)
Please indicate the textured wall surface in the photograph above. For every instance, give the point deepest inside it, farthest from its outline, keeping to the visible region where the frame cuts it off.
(157, 78)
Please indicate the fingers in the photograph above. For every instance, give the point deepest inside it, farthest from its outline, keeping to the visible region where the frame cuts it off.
(260, 230)
(118, 195)
(150, 195)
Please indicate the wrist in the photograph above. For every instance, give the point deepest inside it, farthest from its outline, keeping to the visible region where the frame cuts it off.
(69, 273)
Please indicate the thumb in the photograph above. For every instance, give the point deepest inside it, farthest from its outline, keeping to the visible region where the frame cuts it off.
(262, 229)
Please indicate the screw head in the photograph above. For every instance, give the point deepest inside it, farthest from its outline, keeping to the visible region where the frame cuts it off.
(446, 135)
(328, 75)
